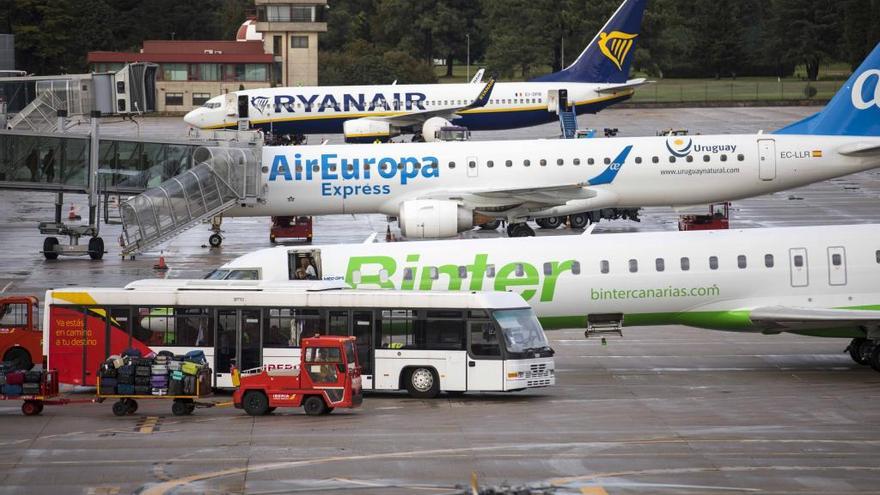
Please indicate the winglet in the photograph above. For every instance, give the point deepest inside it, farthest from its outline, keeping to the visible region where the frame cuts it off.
(607, 176)
(484, 95)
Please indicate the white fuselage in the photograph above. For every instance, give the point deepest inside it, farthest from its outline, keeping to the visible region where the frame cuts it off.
(658, 171)
(652, 278)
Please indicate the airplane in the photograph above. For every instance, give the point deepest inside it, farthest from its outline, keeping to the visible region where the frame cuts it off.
(440, 189)
(596, 79)
(819, 281)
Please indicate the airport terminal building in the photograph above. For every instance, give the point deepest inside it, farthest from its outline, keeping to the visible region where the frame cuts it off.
(279, 47)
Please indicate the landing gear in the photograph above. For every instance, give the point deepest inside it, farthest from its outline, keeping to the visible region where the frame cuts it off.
(215, 240)
(860, 350)
(579, 221)
(550, 222)
(874, 358)
(520, 229)
(493, 225)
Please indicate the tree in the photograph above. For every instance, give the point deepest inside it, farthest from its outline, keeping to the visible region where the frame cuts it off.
(811, 29)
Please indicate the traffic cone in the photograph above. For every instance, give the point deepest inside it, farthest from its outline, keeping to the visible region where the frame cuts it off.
(161, 266)
(72, 215)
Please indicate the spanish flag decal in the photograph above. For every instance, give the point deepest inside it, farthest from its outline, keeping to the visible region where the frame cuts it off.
(817, 153)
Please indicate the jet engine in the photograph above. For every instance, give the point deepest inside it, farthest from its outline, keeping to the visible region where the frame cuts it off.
(431, 218)
(431, 128)
(368, 130)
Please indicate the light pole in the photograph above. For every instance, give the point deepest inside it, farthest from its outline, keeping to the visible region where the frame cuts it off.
(468, 36)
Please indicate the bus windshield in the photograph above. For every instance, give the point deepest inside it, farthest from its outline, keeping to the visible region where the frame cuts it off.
(522, 332)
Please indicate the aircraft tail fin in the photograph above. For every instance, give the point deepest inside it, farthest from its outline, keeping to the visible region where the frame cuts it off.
(853, 111)
(607, 58)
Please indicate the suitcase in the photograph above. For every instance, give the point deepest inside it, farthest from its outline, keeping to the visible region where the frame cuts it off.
(142, 371)
(165, 354)
(175, 387)
(30, 389)
(174, 365)
(176, 375)
(142, 361)
(189, 385)
(123, 389)
(204, 380)
(158, 369)
(160, 391)
(2, 379)
(159, 382)
(190, 368)
(132, 352)
(15, 378)
(142, 390)
(197, 357)
(127, 379)
(12, 389)
(142, 380)
(33, 376)
(108, 384)
(108, 370)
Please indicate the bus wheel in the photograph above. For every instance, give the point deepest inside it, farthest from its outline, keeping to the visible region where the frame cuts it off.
(255, 403)
(20, 359)
(314, 405)
(422, 383)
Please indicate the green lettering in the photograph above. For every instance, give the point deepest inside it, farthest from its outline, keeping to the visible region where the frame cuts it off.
(478, 271)
(357, 264)
(503, 278)
(454, 278)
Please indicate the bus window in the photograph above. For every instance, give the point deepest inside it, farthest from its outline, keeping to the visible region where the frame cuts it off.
(249, 274)
(309, 323)
(398, 326)
(151, 326)
(444, 330)
(279, 328)
(188, 327)
(337, 322)
(484, 339)
(217, 275)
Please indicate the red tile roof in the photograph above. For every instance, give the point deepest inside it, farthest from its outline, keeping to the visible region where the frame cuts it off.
(189, 52)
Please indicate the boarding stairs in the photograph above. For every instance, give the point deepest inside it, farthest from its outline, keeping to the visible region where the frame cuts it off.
(604, 324)
(223, 178)
(40, 115)
(567, 120)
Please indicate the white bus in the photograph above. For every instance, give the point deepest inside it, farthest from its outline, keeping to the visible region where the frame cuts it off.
(423, 342)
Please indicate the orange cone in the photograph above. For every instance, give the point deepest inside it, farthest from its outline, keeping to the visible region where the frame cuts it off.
(161, 266)
(72, 215)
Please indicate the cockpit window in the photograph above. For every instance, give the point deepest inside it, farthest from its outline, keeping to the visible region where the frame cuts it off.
(212, 104)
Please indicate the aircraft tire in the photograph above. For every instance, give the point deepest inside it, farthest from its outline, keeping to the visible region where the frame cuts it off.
(520, 230)
(49, 245)
(493, 225)
(96, 248)
(579, 221)
(875, 357)
(550, 222)
(857, 351)
(215, 240)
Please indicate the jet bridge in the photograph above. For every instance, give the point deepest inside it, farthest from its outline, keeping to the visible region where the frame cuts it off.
(223, 177)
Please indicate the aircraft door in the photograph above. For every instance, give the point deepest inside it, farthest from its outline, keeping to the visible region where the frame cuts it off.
(242, 106)
(473, 166)
(799, 269)
(767, 159)
(563, 98)
(836, 265)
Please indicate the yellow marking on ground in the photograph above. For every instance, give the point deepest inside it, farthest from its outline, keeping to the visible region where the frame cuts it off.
(593, 490)
(149, 424)
(224, 404)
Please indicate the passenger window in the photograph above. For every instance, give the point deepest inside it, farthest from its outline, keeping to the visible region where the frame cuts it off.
(671, 159)
(713, 262)
(638, 159)
(576, 161)
(590, 161)
(723, 158)
(508, 163)
(741, 261)
(603, 266)
(740, 157)
(877, 255)
(705, 158)
(526, 163)
(543, 162)
(548, 269)
(689, 159)
(661, 265)
(490, 164)
(576, 268)
(451, 164)
(490, 271)
(472, 164)
(407, 273)
(836, 260)
(633, 266)
(768, 260)
(433, 273)
(607, 161)
(462, 272)
(798, 261)
(560, 162)
(685, 264)
(520, 271)
(655, 159)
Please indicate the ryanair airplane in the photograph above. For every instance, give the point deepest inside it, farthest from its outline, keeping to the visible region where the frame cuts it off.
(597, 78)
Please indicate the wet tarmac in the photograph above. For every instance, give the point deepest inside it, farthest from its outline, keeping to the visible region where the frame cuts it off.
(663, 410)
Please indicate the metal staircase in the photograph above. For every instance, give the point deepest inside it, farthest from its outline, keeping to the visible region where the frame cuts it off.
(224, 177)
(567, 120)
(40, 115)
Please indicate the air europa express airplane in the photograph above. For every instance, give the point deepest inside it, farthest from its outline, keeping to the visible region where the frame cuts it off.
(596, 79)
(818, 281)
(440, 189)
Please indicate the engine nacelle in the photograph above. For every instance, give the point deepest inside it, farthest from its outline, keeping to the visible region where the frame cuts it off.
(431, 128)
(431, 218)
(368, 130)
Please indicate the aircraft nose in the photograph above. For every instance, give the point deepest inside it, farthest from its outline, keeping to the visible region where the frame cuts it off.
(193, 117)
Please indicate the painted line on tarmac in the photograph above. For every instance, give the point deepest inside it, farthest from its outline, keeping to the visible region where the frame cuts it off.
(148, 425)
(5, 287)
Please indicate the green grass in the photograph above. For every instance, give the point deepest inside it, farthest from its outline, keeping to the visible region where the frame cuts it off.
(702, 90)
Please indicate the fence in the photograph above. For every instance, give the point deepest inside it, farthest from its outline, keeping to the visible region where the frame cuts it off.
(702, 90)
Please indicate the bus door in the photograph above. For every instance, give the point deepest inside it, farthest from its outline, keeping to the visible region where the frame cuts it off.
(362, 330)
(238, 340)
(304, 264)
(485, 367)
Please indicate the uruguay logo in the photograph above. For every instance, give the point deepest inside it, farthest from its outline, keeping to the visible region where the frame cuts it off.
(261, 103)
(679, 147)
(858, 96)
(620, 46)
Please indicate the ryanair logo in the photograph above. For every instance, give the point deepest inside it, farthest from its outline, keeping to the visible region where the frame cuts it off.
(616, 46)
(261, 103)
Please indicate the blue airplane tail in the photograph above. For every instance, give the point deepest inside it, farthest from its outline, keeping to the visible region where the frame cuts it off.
(608, 57)
(854, 110)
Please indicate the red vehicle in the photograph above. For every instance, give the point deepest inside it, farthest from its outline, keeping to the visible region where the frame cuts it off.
(291, 227)
(718, 218)
(21, 341)
(327, 377)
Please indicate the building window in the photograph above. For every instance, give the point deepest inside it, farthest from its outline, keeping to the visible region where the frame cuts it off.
(277, 43)
(174, 72)
(302, 14)
(209, 72)
(173, 99)
(200, 99)
(299, 41)
(255, 72)
(278, 13)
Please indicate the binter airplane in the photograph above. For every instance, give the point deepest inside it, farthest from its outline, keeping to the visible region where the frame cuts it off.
(820, 281)
(441, 189)
(597, 78)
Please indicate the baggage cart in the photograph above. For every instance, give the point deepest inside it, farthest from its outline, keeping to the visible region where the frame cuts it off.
(181, 405)
(48, 396)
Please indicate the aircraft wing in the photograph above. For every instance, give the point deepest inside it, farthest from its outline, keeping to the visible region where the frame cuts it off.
(507, 197)
(631, 84)
(415, 118)
(795, 318)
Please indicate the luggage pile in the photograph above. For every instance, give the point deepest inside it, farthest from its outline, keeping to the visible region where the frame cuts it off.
(16, 382)
(164, 374)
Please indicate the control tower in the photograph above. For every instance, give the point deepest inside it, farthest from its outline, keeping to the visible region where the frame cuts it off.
(290, 33)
